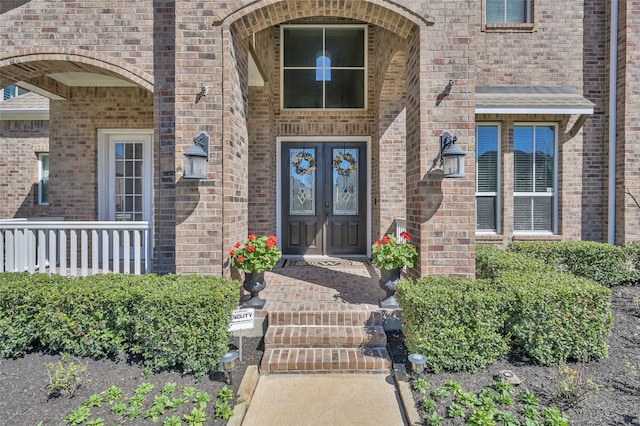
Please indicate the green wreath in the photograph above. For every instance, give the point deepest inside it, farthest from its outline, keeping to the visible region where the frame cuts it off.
(342, 157)
(297, 163)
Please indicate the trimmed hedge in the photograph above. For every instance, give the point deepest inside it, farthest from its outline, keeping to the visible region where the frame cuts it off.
(173, 321)
(632, 254)
(601, 262)
(518, 304)
(457, 324)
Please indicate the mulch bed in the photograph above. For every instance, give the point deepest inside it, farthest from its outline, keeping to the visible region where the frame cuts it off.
(617, 402)
(24, 401)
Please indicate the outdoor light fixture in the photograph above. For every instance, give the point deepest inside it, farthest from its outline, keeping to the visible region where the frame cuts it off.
(417, 362)
(197, 158)
(229, 363)
(451, 156)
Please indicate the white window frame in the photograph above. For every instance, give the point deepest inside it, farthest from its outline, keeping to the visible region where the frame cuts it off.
(41, 178)
(323, 26)
(553, 193)
(528, 14)
(498, 193)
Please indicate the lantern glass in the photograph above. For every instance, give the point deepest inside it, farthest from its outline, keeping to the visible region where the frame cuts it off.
(196, 168)
(453, 161)
(229, 360)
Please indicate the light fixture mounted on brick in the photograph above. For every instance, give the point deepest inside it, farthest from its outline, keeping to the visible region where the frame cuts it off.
(451, 156)
(197, 158)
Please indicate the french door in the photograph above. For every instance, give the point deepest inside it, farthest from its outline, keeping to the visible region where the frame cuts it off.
(324, 195)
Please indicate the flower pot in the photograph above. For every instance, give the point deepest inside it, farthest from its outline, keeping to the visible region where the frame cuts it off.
(254, 283)
(389, 282)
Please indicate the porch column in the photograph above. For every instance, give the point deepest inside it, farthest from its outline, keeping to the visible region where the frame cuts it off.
(440, 211)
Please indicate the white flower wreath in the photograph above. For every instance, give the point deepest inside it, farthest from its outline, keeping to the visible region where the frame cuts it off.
(339, 159)
(304, 156)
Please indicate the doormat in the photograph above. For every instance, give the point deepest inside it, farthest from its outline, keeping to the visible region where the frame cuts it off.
(325, 262)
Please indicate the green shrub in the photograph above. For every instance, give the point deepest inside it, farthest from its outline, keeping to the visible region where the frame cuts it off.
(632, 255)
(455, 323)
(174, 321)
(603, 263)
(555, 317)
(184, 322)
(493, 261)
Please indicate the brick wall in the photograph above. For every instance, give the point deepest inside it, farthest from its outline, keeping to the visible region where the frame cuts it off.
(20, 143)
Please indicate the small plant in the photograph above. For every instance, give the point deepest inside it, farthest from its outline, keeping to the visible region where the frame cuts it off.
(502, 387)
(554, 417)
(572, 385)
(453, 386)
(95, 400)
(132, 413)
(189, 391)
(427, 404)
(96, 422)
(440, 394)
(175, 403)
(531, 413)
(466, 399)
(144, 389)
(202, 399)
(78, 416)
(434, 419)
(421, 385)
(507, 418)
(169, 388)
(172, 421)
(197, 417)
(529, 398)
(456, 411)
(481, 417)
(113, 393)
(223, 410)
(64, 380)
(119, 408)
(225, 394)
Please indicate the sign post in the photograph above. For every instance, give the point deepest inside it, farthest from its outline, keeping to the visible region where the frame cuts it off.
(242, 319)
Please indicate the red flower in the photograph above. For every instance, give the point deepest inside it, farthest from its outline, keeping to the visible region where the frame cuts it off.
(252, 237)
(232, 253)
(251, 248)
(270, 243)
(406, 236)
(386, 240)
(378, 244)
(238, 245)
(240, 259)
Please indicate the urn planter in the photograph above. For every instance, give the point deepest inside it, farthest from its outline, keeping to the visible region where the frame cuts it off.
(254, 283)
(389, 283)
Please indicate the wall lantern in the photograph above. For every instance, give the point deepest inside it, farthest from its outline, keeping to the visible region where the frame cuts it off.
(197, 158)
(451, 156)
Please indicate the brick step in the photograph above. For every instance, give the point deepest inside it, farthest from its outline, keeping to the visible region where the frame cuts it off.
(348, 318)
(325, 360)
(329, 336)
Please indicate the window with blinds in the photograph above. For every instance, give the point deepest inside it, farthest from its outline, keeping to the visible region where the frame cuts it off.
(535, 180)
(487, 177)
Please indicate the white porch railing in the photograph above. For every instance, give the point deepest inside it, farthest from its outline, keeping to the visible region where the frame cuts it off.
(74, 248)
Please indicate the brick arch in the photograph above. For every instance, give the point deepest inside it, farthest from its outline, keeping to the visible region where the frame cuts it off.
(28, 63)
(259, 15)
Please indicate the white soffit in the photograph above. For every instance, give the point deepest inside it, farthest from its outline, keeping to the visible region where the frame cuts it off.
(531, 100)
(87, 79)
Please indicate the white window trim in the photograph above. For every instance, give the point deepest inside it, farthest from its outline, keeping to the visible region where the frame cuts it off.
(40, 178)
(498, 193)
(366, 65)
(280, 139)
(553, 193)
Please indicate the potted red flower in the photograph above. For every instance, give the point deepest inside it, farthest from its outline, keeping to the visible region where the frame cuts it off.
(391, 255)
(254, 257)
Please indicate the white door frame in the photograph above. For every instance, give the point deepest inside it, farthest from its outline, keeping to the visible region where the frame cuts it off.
(281, 139)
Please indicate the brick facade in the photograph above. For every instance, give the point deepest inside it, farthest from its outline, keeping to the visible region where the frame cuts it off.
(169, 50)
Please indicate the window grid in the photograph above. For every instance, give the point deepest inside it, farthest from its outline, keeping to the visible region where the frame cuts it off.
(501, 12)
(330, 69)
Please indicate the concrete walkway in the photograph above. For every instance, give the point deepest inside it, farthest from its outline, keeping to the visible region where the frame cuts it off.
(324, 399)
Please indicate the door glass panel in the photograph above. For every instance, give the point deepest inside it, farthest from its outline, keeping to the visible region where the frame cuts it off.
(302, 176)
(128, 188)
(345, 181)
